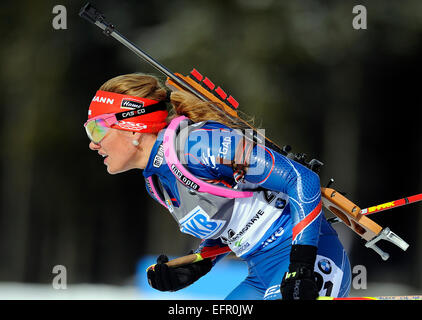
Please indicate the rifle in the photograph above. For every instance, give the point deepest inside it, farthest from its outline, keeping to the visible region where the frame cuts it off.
(204, 89)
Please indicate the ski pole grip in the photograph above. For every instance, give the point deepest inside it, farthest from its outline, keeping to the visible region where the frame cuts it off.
(191, 258)
(181, 261)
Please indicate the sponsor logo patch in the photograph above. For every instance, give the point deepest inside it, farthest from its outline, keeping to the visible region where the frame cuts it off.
(272, 292)
(131, 104)
(325, 266)
(233, 236)
(273, 237)
(200, 225)
(103, 100)
(186, 181)
(134, 126)
(158, 159)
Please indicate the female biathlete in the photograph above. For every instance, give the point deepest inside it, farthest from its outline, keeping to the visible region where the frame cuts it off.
(222, 186)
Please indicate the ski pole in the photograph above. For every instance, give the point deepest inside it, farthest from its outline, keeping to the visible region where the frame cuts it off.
(385, 206)
(195, 257)
(392, 204)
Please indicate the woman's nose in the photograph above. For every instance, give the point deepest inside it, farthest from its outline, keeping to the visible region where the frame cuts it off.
(94, 146)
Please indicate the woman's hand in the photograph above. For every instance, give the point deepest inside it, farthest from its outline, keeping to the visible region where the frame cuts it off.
(300, 282)
(299, 285)
(165, 278)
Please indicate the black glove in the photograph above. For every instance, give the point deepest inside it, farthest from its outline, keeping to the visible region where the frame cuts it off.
(300, 282)
(165, 278)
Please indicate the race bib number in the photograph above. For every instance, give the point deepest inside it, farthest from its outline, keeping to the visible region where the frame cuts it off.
(329, 278)
(328, 275)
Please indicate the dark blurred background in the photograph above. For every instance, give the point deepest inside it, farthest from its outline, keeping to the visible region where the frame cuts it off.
(350, 98)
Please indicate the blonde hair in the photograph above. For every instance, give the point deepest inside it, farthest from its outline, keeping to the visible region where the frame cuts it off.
(182, 102)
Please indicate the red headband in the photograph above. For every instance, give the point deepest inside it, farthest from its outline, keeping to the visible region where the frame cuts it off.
(139, 114)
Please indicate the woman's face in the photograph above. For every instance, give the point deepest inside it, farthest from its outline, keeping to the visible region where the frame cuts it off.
(119, 152)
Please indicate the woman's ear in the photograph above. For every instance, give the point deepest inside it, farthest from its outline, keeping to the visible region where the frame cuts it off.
(136, 138)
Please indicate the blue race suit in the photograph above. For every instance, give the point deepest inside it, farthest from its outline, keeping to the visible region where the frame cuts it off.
(291, 196)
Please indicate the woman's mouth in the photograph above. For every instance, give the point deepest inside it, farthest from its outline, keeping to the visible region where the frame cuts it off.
(105, 156)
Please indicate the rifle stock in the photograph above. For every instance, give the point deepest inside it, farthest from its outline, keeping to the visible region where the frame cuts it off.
(352, 216)
(349, 213)
(205, 92)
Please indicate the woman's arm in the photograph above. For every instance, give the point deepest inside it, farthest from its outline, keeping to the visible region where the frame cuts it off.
(274, 171)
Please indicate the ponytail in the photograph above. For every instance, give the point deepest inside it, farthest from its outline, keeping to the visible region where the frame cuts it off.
(182, 102)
